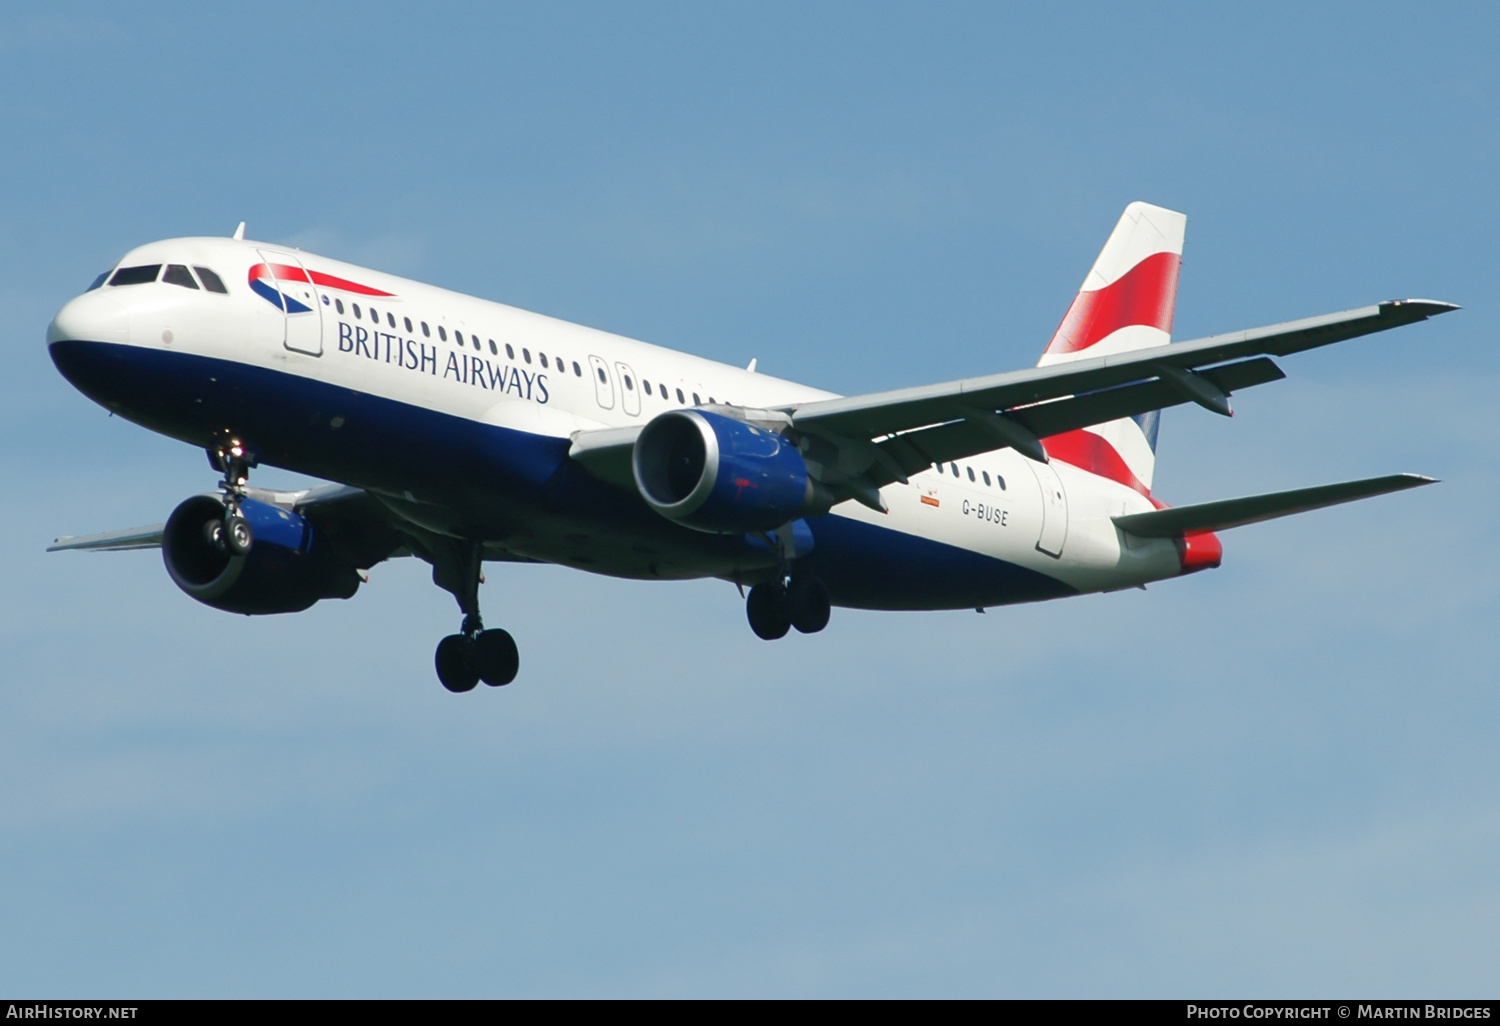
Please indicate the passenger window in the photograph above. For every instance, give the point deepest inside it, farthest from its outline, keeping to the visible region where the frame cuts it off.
(955, 468)
(577, 370)
(602, 377)
(356, 310)
(458, 336)
(986, 475)
(971, 472)
(562, 365)
(135, 275)
(680, 398)
(696, 400)
(374, 315)
(338, 304)
(493, 350)
(645, 386)
(629, 385)
(97, 282)
(211, 281)
(442, 333)
(178, 274)
(426, 333)
(712, 401)
(475, 339)
(543, 358)
(390, 319)
(1000, 481)
(663, 390)
(526, 355)
(407, 322)
(510, 354)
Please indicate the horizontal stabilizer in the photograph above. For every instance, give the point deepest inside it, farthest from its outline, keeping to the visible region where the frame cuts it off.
(1227, 513)
(148, 537)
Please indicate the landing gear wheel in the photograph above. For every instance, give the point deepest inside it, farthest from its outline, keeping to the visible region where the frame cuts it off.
(807, 605)
(455, 663)
(767, 612)
(237, 535)
(495, 657)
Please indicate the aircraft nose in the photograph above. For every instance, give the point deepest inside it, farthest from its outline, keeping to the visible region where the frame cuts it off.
(91, 317)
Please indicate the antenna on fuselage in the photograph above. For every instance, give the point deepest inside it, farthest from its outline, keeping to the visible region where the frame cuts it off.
(751, 368)
(239, 233)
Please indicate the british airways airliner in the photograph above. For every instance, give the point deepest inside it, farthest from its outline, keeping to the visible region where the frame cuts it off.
(459, 430)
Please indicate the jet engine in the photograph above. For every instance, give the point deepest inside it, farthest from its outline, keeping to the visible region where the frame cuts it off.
(717, 474)
(283, 570)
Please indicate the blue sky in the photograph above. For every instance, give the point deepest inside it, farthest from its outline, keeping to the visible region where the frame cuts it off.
(1278, 778)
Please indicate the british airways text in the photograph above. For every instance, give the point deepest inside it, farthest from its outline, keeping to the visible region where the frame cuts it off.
(409, 354)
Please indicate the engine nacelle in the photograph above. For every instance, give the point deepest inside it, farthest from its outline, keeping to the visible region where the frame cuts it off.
(714, 473)
(282, 573)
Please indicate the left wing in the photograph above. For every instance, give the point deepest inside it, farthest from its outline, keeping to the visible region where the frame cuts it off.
(858, 444)
(917, 427)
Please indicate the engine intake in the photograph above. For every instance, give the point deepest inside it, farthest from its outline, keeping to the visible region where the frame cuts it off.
(717, 474)
(284, 572)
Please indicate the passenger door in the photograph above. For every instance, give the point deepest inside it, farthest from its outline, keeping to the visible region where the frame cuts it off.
(299, 303)
(1054, 509)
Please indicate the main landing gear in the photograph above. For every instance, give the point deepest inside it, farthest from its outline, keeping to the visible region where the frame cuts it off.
(474, 654)
(231, 534)
(774, 607)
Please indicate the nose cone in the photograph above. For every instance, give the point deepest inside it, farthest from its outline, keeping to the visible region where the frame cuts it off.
(92, 317)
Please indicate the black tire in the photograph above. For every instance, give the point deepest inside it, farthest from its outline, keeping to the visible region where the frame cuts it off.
(237, 534)
(454, 666)
(766, 611)
(496, 657)
(807, 605)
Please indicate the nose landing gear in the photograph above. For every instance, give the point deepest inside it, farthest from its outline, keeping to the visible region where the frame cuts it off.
(235, 459)
(474, 654)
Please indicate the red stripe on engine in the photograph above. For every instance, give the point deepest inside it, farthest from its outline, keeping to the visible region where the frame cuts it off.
(1087, 451)
(1145, 294)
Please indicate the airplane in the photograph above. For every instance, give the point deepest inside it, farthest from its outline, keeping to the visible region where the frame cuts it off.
(463, 431)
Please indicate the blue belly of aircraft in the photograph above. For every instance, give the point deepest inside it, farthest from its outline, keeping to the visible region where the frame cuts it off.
(498, 483)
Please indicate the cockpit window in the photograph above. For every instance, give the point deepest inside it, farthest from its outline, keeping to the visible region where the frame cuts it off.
(211, 281)
(178, 274)
(135, 275)
(97, 282)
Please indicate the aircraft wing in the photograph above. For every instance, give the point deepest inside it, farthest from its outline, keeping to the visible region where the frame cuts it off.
(886, 436)
(917, 427)
(352, 520)
(1227, 513)
(148, 537)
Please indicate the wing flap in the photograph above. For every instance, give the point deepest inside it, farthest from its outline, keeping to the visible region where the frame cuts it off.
(1227, 513)
(956, 440)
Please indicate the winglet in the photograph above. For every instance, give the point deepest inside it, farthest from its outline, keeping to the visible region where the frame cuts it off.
(239, 233)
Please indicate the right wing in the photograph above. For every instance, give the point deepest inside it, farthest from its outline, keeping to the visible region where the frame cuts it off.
(148, 537)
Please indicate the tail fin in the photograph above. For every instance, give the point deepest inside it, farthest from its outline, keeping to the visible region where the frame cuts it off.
(1125, 303)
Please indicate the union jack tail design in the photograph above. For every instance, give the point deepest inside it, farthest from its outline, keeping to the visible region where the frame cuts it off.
(1126, 303)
